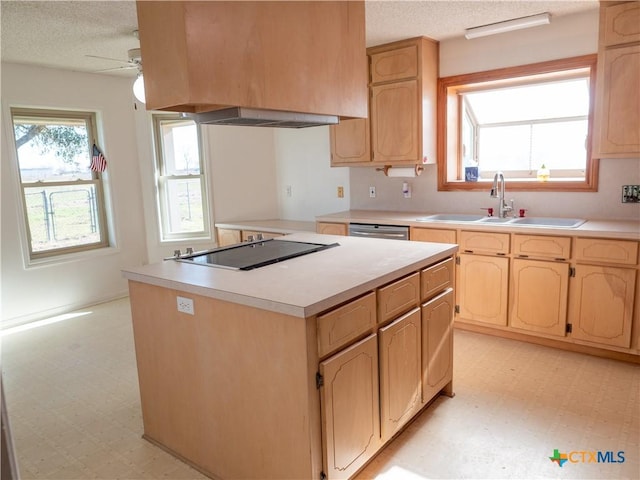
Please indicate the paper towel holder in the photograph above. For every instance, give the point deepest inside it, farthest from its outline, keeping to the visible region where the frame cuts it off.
(410, 172)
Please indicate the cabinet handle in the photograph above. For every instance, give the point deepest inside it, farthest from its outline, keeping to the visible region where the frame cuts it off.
(523, 256)
(468, 251)
(501, 254)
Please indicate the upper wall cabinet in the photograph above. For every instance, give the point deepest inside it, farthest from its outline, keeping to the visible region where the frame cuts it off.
(401, 128)
(617, 107)
(294, 56)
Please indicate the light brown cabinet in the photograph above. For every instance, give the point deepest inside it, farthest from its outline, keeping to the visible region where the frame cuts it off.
(436, 235)
(437, 345)
(394, 122)
(400, 372)
(617, 105)
(350, 142)
(483, 287)
(603, 291)
(483, 275)
(414, 345)
(227, 236)
(602, 304)
(401, 127)
(351, 416)
(343, 325)
(329, 228)
(538, 296)
(398, 297)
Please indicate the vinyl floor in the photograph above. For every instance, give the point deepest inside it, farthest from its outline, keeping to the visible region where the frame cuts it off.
(71, 390)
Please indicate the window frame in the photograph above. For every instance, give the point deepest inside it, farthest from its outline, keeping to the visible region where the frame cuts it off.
(161, 181)
(97, 180)
(450, 111)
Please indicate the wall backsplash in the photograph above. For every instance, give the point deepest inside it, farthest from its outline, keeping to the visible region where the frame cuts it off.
(606, 203)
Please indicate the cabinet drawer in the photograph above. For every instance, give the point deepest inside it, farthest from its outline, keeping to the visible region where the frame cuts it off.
(398, 297)
(344, 324)
(395, 64)
(436, 235)
(624, 252)
(482, 242)
(436, 278)
(542, 246)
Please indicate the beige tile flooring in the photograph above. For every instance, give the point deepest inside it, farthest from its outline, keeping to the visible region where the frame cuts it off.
(72, 394)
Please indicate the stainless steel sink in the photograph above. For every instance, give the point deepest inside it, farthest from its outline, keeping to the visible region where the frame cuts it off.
(496, 220)
(548, 222)
(451, 217)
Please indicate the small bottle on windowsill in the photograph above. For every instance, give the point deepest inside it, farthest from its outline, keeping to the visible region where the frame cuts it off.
(543, 173)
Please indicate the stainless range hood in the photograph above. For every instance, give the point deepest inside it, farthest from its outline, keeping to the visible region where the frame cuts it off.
(254, 117)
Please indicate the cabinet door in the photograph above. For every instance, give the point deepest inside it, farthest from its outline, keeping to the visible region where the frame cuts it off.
(437, 344)
(602, 304)
(483, 288)
(227, 236)
(539, 296)
(619, 109)
(396, 64)
(400, 369)
(331, 228)
(350, 408)
(350, 142)
(395, 135)
(621, 24)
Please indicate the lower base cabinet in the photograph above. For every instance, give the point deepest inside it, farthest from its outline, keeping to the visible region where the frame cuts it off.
(539, 296)
(485, 300)
(350, 408)
(601, 308)
(437, 345)
(400, 369)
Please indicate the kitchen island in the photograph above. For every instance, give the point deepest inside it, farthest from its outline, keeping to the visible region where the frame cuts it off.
(298, 369)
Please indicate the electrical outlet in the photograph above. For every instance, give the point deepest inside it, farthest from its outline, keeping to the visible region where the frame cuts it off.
(630, 193)
(288, 190)
(372, 192)
(185, 305)
(340, 192)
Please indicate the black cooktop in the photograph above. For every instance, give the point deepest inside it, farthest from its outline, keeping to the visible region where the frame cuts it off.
(247, 256)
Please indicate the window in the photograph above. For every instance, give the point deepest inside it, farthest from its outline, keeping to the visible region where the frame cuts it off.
(62, 197)
(181, 181)
(520, 121)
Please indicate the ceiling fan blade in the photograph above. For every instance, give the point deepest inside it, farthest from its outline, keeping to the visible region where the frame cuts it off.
(116, 68)
(107, 58)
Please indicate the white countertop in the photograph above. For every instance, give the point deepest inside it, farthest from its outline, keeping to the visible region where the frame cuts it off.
(302, 286)
(591, 228)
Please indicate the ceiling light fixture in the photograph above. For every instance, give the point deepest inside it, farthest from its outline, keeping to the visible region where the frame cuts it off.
(138, 88)
(508, 25)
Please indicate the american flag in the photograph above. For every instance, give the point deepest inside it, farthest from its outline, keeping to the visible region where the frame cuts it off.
(98, 162)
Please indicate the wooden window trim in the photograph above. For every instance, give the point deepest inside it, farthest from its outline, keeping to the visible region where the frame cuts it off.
(448, 111)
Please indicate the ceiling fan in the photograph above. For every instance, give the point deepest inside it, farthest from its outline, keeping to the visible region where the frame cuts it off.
(135, 61)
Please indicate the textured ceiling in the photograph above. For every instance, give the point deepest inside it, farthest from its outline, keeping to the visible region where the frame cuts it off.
(62, 33)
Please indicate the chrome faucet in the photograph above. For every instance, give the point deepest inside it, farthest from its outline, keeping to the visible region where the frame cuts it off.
(498, 192)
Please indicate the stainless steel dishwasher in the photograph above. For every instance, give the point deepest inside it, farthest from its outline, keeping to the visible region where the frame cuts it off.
(372, 230)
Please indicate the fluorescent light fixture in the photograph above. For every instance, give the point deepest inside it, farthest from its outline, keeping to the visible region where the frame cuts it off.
(508, 25)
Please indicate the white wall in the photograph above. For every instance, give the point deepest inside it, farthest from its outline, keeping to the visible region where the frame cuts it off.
(302, 157)
(565, 37)
(240, 167)
(87, 278)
